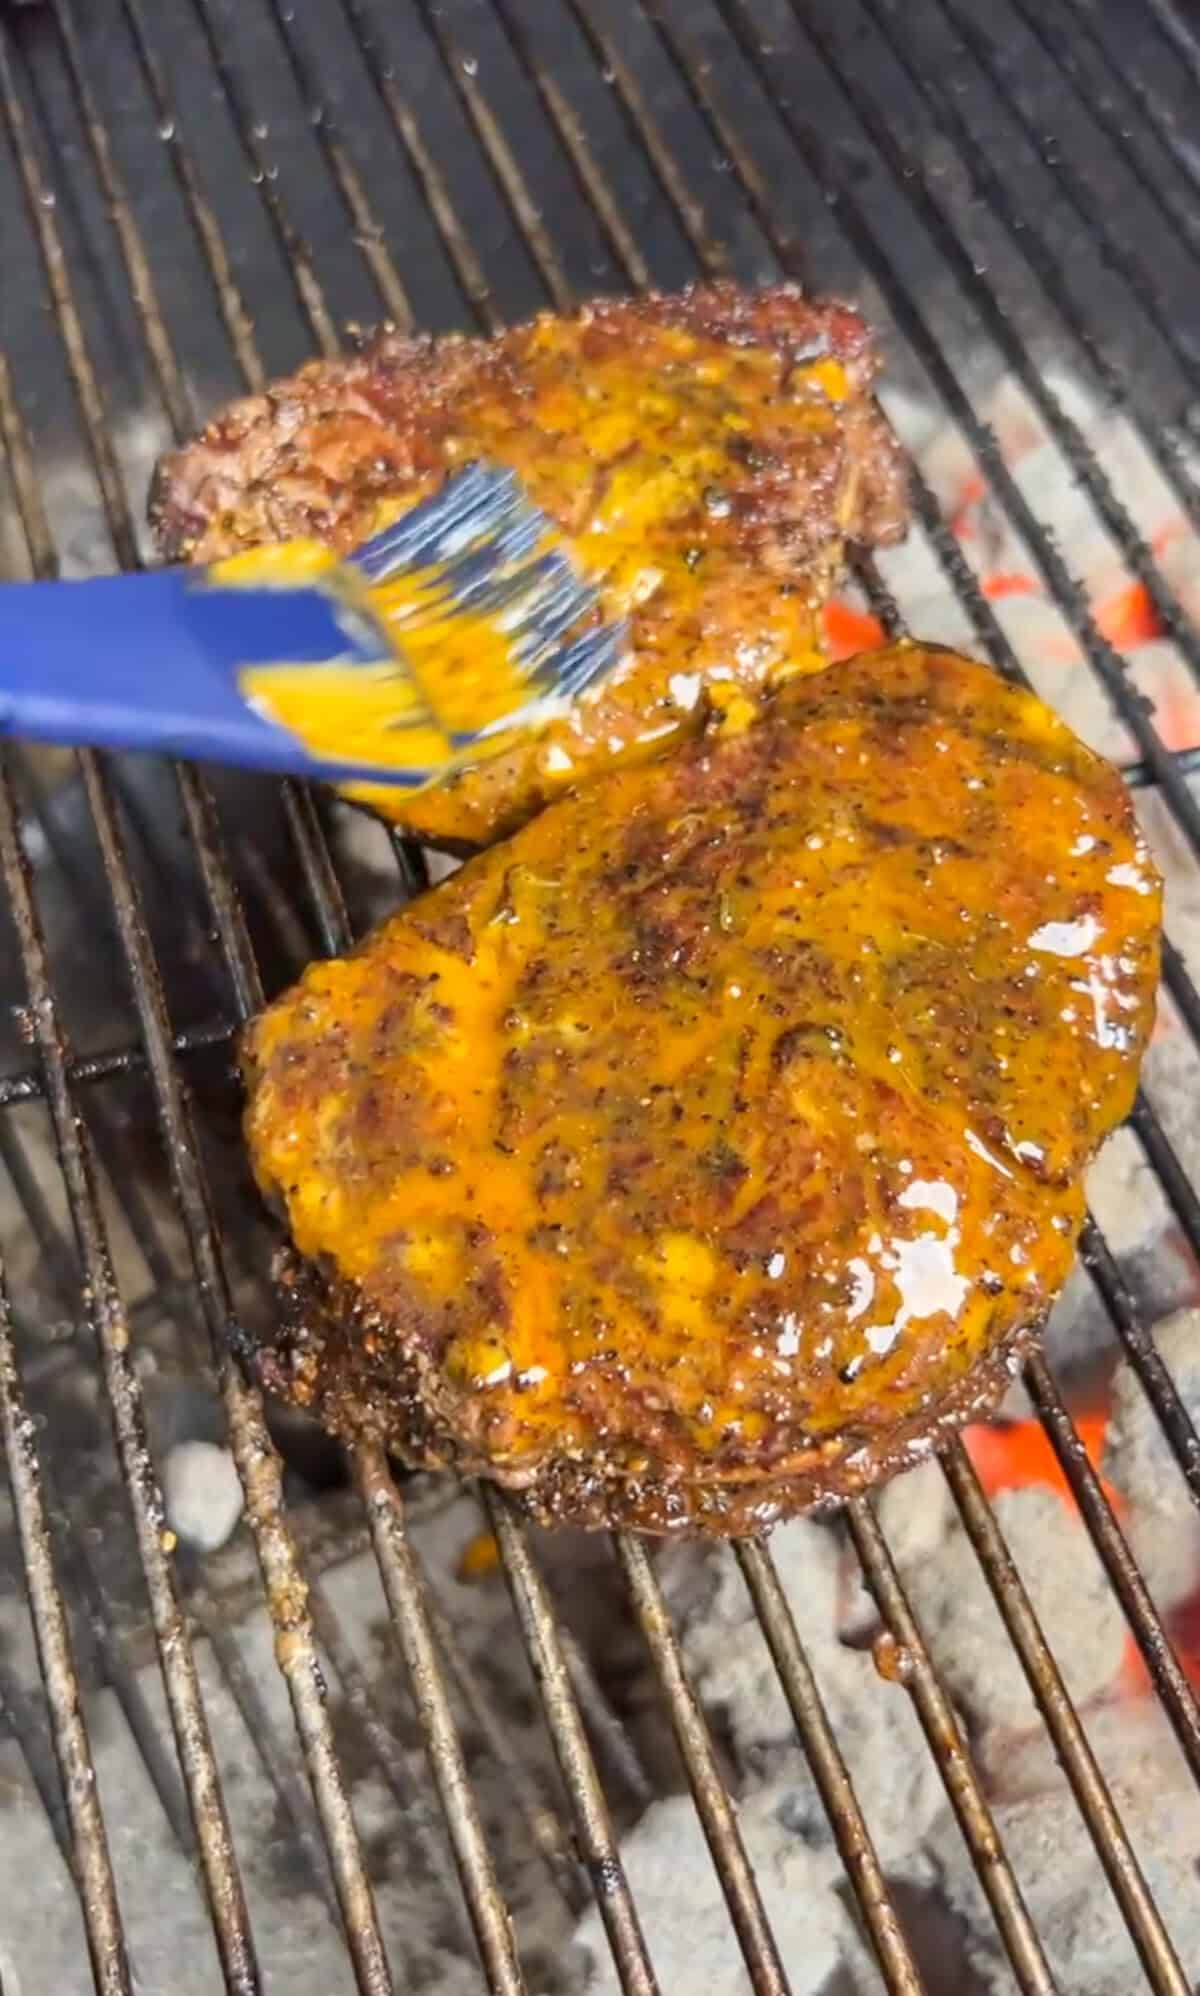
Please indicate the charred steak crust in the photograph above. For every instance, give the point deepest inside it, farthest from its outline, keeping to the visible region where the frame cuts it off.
(715, 1146)
(709, 452)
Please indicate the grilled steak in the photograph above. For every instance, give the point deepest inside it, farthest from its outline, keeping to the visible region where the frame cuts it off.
(708, 1148)
(708, 454)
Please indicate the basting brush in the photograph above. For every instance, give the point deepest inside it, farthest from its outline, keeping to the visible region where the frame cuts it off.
(456, 631)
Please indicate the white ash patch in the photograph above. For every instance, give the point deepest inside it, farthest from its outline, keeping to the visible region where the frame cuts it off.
(203, 1493)
(731, 1669)
(1074, 1603)
(782, 1819)
(1178, 866)
(72, 501)
(1126, 1199)
(686, 1921)
(1137, 1455)
(1085, 1937)
(916, 1514)
(1162, 1526)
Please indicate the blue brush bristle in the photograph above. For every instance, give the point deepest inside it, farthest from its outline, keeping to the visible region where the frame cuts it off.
(475, 545)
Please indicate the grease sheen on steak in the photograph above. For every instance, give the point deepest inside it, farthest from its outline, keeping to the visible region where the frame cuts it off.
(707, 454)
(701, 1151)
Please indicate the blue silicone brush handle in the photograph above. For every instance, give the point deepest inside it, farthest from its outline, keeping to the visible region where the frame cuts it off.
(151, 662)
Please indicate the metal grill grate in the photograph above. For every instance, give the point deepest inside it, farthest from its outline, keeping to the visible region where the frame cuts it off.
(193, 196)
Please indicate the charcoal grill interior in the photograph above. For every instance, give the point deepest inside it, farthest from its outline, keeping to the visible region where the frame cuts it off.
(195, 196)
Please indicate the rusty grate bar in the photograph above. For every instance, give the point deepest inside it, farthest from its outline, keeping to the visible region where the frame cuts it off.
(1163, 1967)
(594, 1831)
(1126, 262)
(829, 1769)
(1154, 117)
(97, 1887)
(257, 1460)
(949, 1749)
(1023, 231)
(402, 1581)
(709, 1792)
(223, 1883)
(404, 1588)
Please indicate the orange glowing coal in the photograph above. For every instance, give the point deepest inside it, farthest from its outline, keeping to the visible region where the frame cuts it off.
(1010, 1455)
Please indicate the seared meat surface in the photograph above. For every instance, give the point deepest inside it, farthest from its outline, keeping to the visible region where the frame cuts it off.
(708, 1148)
(707, 453)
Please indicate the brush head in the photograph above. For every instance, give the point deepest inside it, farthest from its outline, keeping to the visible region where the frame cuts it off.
(491, 631)
(487, 607)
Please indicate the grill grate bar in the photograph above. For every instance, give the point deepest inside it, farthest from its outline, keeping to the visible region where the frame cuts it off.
(89, 1841)
(405, 1592)
(466, 265)
(401, 1580)
(1176, 1693)
(1152, 112)
(529, 1597)
(524, 50)
(1025, 235)
(1153, 1375)
(1141, 1346)
(40, 201)
(1177, 33)
(711, 1797)
(177, 402)
(949, 1749)
(1105, 661)
(829, 1769)
(258, 1463)
(1163, 1967)
(294, 1798)
(29, 1085)
(710, 253)
(593, 1825)
(1129, 267)
(403, 1769)
(262, 171)
(257, 1460)
(573, 139)
(219, 1863)
(368, 235)
(548, 1830)
(1067, 434)
(416, 1618)
(52, 1244)
(734, 1871)
(105, 1308)
(1177, 1425)
(237, 320)
(1062, 53)
(1147, 1627)
(500, 157)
